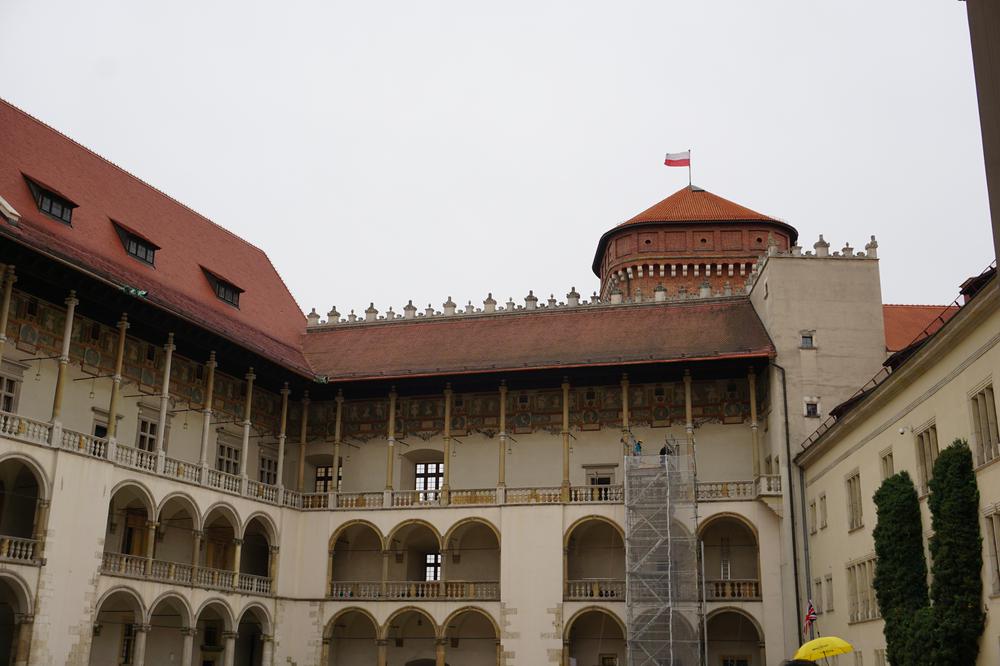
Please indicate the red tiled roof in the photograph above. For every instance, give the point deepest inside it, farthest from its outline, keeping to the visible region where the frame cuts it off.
(268, 321)
(903, 323)
(693, 204)
(567, 337)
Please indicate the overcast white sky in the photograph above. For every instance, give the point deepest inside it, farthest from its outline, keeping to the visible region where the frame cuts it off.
(382, 151)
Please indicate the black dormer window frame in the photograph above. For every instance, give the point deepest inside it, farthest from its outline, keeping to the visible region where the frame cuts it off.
(225, 291)
(56, 206)
(137, 247)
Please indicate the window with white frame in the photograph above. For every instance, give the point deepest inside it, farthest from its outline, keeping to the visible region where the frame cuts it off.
(861, 601)
(811, 409)
(429, 477)
(10, 389)
(829, 592)
(227, 459)
(927, 453)
(993, 547)
(432, 566)
(984, 424)
(818, 595)
(146, 434)
(807, 339)
(855, 518)
(822, 511)
(267, 472)
(887, 465)
(324, 478)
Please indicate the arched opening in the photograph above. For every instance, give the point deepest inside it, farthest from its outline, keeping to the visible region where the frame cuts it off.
(213, 635)
(415, 563)
(410, 637)
(352, 638)
(118, 630)
(594, 636)
(130, 537)
(178, 521)
(250, 634)
(15, 632)
(595, 561)
(663, 637)
(356, 562)
(733, 638)
(731, 560)
(20, 504)
(169, 619)
(221, 528)
(471, 639)
(472, 561)
(423, 472)
(255, 554)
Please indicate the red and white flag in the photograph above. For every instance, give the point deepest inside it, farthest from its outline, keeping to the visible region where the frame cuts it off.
(678, 159)
(810, 619)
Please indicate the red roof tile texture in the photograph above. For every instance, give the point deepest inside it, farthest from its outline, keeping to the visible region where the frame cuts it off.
(903, 323)
(605, 335)
(692, 204)
(268, 320)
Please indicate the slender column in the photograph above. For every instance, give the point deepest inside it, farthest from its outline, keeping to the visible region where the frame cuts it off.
(151, 526)
(282, 436)
(303, 433)
(626, 428)
(237, 557)
(139, 649)
(499, 653)
(22, 649)
(267, 650)
(324, 652)
(390, 448)
(439, 652)
(754, 435)
(206, 428)
(272, 565)
(565, 439)
(116, 381)
(229, 647)
(383, 651)
(688, 418)
(247, 407)
(40, 528)
(338, 430)
(502, 467)
(57, 398)
(446, 481)
(196, 548)
(188, 649)
(386, 554)
(565, 653)
(161, 426)
(8, 288)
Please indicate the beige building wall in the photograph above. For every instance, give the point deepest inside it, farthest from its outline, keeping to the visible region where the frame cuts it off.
(934, 388)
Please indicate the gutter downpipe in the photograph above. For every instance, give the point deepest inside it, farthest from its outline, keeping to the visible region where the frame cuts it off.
(791, 502)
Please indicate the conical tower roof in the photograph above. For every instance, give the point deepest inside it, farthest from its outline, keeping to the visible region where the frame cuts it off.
(693, 204)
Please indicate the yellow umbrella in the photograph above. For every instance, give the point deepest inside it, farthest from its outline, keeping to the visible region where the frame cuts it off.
(825, 646)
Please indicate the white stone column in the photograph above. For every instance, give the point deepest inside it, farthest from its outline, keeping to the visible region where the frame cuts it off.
(71, 303)
(22, 645)
(8, 288)
(139, 649)
(303, 436)
(267, 650)
(338, 430)
(282, 436)
(390, 442)
(116, 385)
(565, 440)
(502, 453)
(188, 649)
(446, 477)
(206, 428)
(247, 408)
(229, 647)
(161, 426)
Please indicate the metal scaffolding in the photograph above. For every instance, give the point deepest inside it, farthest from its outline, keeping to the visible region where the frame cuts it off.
(663, 595)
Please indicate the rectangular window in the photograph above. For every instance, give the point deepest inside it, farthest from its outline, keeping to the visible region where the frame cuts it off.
(140, 249)
(812, 409)
(52, 204)
(9, 390)
(324, 479)
(226, 291)
(228, 459)
(854, 515)
(146, 436)
(429, 477)
(100, 429)
(862, 604)
(432, 566)
(812, 517)
(822, 511)
(829, 592)
(993, 547)
(927, 453)
(268, 471)
(984, 423)
(888, 468)
(818, 595)
(808, 341)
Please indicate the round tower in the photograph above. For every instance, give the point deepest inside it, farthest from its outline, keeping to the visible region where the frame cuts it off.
(691, 241)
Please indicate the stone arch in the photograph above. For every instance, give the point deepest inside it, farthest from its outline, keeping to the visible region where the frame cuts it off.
(471, 609)
(739, 611)
(22, 593)
(735, 625)
(384, 629)
(217, 603)
(722, 515)
(412, 522)
(446, 541)
(352, 523)
(588, 609)
(185, 499)
(731, 549)
(44, 486)
(178, 519)
(140, 607)
(350, 637)
(585, 519)
(119, 616)
(328, 629)
(271, 528)
(144, 494)
(263, 615)
(226, 509)
(187, 615)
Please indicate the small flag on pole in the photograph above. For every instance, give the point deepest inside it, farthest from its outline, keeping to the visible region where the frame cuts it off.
(811, 617)
(678, 159)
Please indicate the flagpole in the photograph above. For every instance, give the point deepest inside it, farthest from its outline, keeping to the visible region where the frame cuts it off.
(689, 168)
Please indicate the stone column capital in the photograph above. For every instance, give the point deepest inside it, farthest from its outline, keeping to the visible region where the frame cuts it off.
(189, 631)
(229, 635)
(143, 628)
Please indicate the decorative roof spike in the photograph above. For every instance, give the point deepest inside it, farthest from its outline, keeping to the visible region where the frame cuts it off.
(822, 247)
(510, 304)
(489, 305)
(312, 319)
(409, 310)
(449, 307)
(429, 310)
(572, 298)
(871, 248)
(332, 317)
(594, 298)
(469, 308)
(371, 313)
(389, 314)
(352, 317)
(530, 301)
(552, 300)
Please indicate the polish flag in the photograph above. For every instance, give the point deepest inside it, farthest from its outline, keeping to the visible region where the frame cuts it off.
(678, 159)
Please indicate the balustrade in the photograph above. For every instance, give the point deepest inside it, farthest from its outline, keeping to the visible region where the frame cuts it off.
(452, 590)
(20, 427)
(129, 456)
(224, 481)
(254, 584)
(551, 495)
(715, 491)
(315, 500)
(359, 500)
(769, 484)
(86, 444)
(356, 589)
(733, 590)
(17, 549)
(134, 566)
(262, 491)
(182, 470)
(415, 498)
(473, 496)
(597, 494)
(586, 590)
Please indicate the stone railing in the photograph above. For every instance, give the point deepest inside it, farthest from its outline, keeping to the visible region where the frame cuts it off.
(534, 495)
(360, 500)
(448, 590)
(262, 491)
(473, 496)
(769, 484)
(224, 481)
(88, 445)
(369, 589)
(600, 494)
(20, 427)
(587, 590)
(416, 498)
(732, 590)
(134, 566)
(766, 485)
(315, 500)
(184, 471)
(17, 549)
(128, 456)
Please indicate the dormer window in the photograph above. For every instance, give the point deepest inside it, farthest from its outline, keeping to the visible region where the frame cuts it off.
(52, 204)
(226, 291)
(136, 246)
